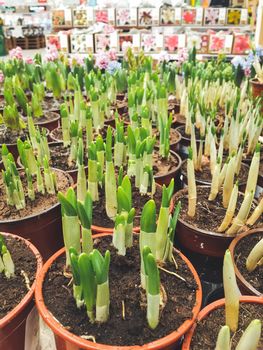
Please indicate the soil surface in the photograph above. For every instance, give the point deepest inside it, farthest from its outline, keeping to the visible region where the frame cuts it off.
(56, 134)
(212, 210)
(10, 136)
(13, 290)
(125, 291)
(181, 130)
(59, 156)
(174, 136)
(207, 330)
(50, 105)
(205, 173)
(100, 218)
(162, 166)
(41, 202)
(242, 250)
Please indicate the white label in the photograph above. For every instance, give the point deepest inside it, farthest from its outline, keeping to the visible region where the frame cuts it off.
(111, 16)
(178, 14)
(244, 16)
(89, 41)
(90, 15)
(199, 15)
(155, 16)
(133, 15)
(222, 16)
(181, 41)
(136, 40)
(159, 41)
(68, 15)
(63, 40)
(228, 43)
(114, 40)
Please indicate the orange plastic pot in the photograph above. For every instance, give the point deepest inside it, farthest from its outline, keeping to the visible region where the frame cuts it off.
(198, 240)
(68, 341)
(43, 229)
(210, 308)
(245, 287)
(12, 326)
(257, 88)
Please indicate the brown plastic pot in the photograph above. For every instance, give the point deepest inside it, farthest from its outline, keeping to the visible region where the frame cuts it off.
(49, 124)
(173, 174)
(73, 173)
(210, 308)
(199, 182)
(43, 229)
(257, 88)
(68, 341)
(12, 326)
(100, 229)
(245, 287)
(185, 141)
(198, 240)
(12, 147)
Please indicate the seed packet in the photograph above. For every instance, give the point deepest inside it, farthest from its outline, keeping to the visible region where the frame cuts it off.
(220, 43)
(151, 42)
(242, 44)
(126, 17)
(148, 17)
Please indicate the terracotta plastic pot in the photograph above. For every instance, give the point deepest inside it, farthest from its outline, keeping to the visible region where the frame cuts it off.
(210, 308)
(199, 240)
(199, 182)
(173, 174)
(49, 124)
(245, 287)
(68, 341)
(43, 229)
(12, 326)
(257, 88)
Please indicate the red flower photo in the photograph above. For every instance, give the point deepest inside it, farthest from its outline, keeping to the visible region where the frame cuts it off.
(217, 43)
(101, 16)
(189, 16)
(171, 42)
(241, 44)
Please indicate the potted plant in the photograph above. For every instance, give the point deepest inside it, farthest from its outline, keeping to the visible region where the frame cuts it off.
(228, 209)
(20, 265)
(29, 202)
(102, 313)
(239, 314)
(246, 250)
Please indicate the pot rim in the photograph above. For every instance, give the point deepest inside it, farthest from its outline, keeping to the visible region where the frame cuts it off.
(56, 118)
(211, 307)
(43, 212)
(24, 302)
(171, 171)
(238, 273)
(256, 82)
(180, 127)
(206, 183)
(15, 144)
(86, 344)
(199, 230)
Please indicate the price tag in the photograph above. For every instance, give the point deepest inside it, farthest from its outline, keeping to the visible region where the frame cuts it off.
(90, 15)
(114, 40)
(68, 17)
(244, 16)
(155, 16)
(111, 16)
(136, 41)
(178, 15)
(181, 41)
(228, 43)
(159, 42)
(133, 15)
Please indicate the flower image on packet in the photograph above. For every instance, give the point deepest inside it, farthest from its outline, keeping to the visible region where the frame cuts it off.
(242, 44)
(171, 42)
(189, 16)
(167, 15)
(233, 16)
(211, 16)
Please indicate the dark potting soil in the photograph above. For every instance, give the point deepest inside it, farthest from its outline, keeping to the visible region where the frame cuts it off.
(41, 202)
(56, 134)
(207, 330)
(181, 129)
(50, 105)
(162, 166)
(261, 169)
(179, 118)
(125, 291)
(13, 290)
(101, 219)
(174, 136)
(10, 136)
(59, 156)
(209, 214)
(242, 250)
(205, 173)
(48, 116)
